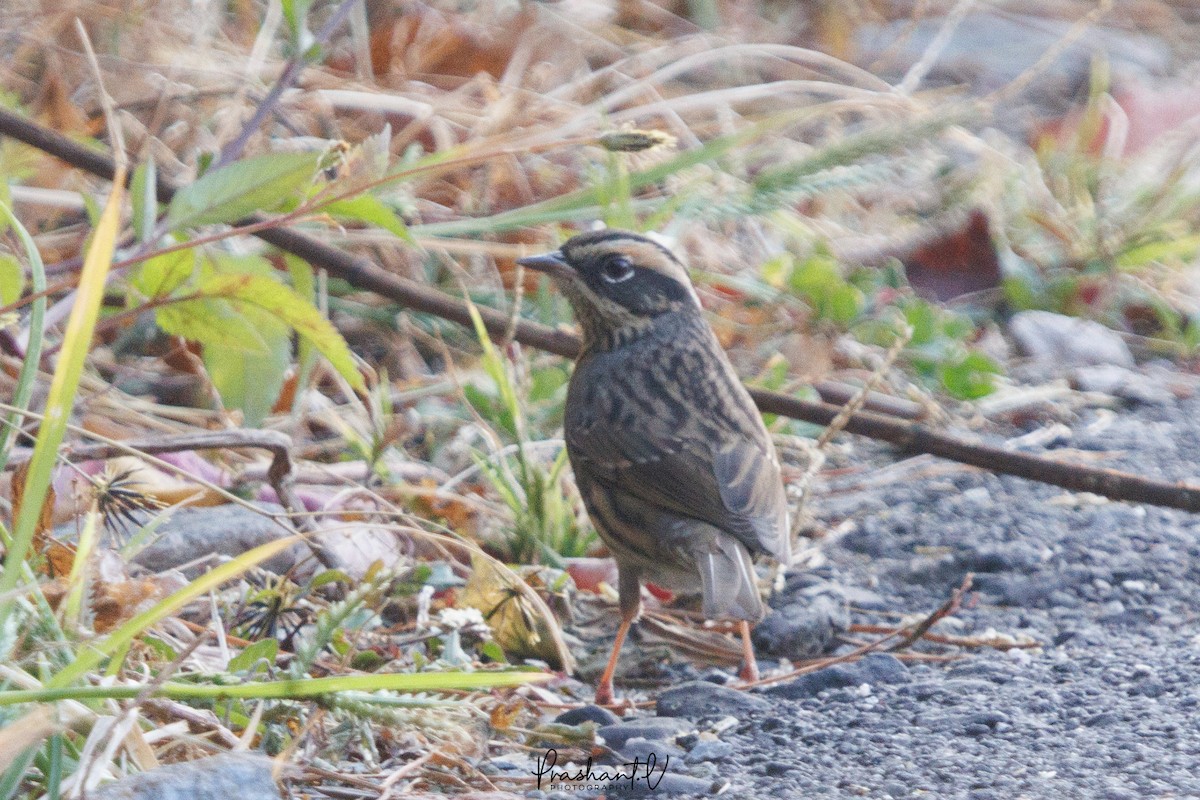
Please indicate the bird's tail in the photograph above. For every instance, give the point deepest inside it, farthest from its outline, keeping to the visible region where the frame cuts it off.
(727, 578)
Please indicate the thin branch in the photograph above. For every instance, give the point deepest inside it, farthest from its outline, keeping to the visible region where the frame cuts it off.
(295, 65)
(364, 274)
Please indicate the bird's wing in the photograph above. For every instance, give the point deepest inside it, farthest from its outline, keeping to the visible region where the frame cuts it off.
(711, 461)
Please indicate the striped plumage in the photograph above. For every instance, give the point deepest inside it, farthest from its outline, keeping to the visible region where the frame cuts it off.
(671, 456)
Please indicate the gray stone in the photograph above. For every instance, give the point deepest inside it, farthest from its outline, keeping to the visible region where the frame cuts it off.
(803, 629)
(709, 751)
(648, 751)
(357, 548)
(654, 728)
(697, 699)
(191, 534)
(668, 785)
(1133, 387)
(246, 776)
(873, 668)
(1067, 341)
(588, 713)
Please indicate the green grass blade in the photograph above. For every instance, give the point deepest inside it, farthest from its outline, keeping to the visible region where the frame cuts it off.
(76, 344)
(287, 689)
(37, 313)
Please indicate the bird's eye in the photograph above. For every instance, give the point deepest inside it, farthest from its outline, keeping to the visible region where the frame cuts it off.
(617, 269)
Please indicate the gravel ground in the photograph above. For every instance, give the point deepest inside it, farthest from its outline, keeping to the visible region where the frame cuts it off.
(1107, 708)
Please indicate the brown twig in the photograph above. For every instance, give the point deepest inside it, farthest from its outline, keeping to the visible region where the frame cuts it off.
(915, 632)
(995, 643)
(363, 274)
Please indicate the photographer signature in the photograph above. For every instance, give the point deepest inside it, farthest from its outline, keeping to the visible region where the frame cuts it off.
(647, 771)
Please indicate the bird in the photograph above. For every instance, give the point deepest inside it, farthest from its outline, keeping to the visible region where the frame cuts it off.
(672, 459)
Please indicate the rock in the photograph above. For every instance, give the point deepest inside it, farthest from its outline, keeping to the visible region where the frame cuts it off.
(1130, 386)
(1067, 341)
(589, 713)
(803, 629)
(653, 728)
(709, 751)
(246, 776)
(355, 549)
(648, 751)
(696, 699)
(715, 675)
(874, 668)
(668, 785)
(191, 534)
(957, 724)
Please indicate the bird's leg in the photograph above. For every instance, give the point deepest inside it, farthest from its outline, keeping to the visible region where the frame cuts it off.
(749, 671)
(604, 689)
(630, 591)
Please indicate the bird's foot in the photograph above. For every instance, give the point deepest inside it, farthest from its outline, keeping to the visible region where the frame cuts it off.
(749, 672)
(604, 695)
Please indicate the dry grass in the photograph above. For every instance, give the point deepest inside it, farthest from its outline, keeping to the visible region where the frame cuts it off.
(490, 116)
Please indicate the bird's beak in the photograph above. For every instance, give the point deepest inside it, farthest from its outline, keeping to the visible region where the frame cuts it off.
(552, 264)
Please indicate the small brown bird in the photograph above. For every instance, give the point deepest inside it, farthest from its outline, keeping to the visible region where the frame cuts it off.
(674, 464)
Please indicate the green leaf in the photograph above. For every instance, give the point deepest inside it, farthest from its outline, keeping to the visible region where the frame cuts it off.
(92, 208)
(832, 297)
(159, 276)
(545, 383)
(288, 307)
(583, 203)
(813, 276)
(233, 192)
(493, 652)
(212, 322)
(1172, 251)
(251, 659)
(304, 283)
(287, 689)
(12, 279)
(844, 303)
(26, 378)
(61, 397)
(372, 211)
(1020, 293)
(922, 318)
(957, 326)
(776, 271)
(247, 380)
(971, 377)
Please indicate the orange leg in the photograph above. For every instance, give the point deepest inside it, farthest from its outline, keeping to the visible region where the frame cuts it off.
(629, 588)
(749, 671)
(604, 689)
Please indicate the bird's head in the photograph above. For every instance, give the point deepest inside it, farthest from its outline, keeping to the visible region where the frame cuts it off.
(617, 282)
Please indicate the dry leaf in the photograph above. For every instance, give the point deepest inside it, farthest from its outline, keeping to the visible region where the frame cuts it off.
(30, 730)
(955, 262)
(46, 519)
(504, 715)
(59, 558)
(521, 622)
